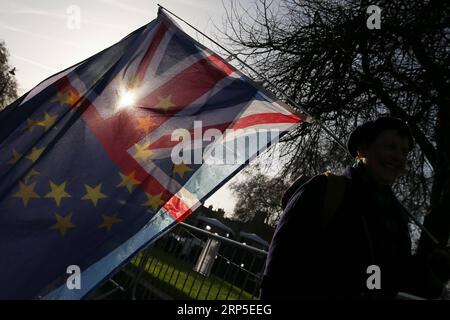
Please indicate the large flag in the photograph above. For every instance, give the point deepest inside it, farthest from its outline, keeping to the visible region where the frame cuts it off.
(101, 159)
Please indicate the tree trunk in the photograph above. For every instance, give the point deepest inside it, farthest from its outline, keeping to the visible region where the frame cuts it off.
(438, 220)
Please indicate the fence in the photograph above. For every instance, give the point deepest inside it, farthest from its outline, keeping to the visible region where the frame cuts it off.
(190, 263)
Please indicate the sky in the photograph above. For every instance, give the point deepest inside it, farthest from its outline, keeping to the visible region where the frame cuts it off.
(43, 38)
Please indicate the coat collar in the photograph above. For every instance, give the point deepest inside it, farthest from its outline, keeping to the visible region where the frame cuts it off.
(359, 175)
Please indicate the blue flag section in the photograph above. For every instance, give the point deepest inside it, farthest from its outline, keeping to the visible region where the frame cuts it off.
(101, 159)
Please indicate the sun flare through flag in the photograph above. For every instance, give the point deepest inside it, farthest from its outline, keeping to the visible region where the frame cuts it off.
(102, 158)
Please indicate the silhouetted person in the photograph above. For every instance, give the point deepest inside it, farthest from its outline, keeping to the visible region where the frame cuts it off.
(318, 254)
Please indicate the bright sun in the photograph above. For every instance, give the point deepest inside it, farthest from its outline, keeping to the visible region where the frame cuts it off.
(127, 99)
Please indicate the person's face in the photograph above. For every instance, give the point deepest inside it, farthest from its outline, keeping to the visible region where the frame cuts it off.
(385, 158)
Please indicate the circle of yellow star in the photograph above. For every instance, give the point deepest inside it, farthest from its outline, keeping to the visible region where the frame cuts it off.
(154, 201)
(57, 192)
(145, 124)
(108, 221)
(66, 97)
(35, 153)
(48, 121)
(181, 169)
(30, 175)
(26, 192)
(63, 224)
(16, 157)
(31, 124)
(141, 152)
(165, 102)
(128, 181)
(94, 194)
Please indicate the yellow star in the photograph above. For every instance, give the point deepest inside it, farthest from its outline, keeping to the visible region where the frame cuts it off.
(26, 192)
(141, 152)
(154, 200)
(58, 192)
(61, 97)
(73, 99)
(35, 153)
(108, 221)
(63, 224)
(30, 175)
(165, 103)
(31, 124)
(93, 194)
(145, 123)
(132, 83)
(128, 181)
(181, 169)
(16, 157)
(66, 97)
(48, 121)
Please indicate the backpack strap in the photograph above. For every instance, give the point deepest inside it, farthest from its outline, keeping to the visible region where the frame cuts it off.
(292, 189)
(334, 196)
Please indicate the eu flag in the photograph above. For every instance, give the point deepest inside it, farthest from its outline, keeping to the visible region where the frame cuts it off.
(87, 167)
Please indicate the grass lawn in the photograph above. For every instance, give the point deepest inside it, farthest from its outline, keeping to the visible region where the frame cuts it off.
(176, 278)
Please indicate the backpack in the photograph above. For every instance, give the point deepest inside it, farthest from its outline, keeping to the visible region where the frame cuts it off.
(333, 196)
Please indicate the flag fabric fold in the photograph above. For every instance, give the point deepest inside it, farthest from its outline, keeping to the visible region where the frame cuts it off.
(105, 157)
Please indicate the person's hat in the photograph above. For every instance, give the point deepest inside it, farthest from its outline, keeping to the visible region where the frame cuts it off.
(366, 133)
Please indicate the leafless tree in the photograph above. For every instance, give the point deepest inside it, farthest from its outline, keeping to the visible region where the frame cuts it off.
(326, 59)
(8, 84)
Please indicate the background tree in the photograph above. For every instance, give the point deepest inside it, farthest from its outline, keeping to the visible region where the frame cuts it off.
(258, 195)
(323, 55)
(8, 84)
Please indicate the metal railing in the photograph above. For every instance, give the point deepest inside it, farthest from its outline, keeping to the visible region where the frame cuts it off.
(190, 263)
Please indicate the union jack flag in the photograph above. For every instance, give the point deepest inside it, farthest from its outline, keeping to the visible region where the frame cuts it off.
(87, 175)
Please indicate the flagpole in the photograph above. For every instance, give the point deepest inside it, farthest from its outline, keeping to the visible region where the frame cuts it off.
(292, 102)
